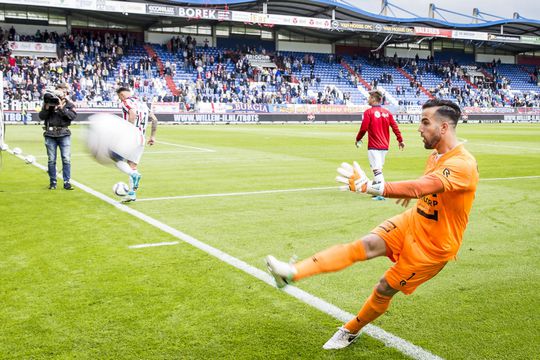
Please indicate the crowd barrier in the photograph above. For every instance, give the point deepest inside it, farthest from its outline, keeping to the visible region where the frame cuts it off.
(29, 117)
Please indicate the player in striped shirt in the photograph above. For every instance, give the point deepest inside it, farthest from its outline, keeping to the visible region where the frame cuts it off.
(137, 113)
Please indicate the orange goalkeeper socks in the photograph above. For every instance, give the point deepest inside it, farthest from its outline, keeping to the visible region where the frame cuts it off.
(332, 259)
(375, 306)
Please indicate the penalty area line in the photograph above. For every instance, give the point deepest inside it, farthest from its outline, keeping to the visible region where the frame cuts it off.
(511, 178)
(185, 146)
(237, 193)
(140, 246)
(389, 339)
(262, 192)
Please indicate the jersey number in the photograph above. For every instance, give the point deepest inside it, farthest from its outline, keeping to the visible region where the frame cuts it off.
(434, 216)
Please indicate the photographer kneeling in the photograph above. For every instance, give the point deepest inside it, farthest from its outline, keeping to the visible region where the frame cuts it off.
(57, 114)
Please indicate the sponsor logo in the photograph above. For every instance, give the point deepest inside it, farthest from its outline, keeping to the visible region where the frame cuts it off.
(446, 172)
(160, 10)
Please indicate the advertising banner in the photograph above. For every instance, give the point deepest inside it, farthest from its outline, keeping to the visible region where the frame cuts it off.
(122, 7)
(254, 118)
(481, 110)
(36, 47)
(530, 39)
(165, 107)
(164, 10)
(469, 35)
(428, 31)
(73, 4)
(208, 14)
(274, 19)
(317, 109)
(356, 26)
(504, 38)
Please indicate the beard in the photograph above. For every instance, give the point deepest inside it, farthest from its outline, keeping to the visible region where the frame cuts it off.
(432, 142)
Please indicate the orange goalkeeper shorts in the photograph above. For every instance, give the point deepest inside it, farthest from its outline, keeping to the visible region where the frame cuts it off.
(412, 267)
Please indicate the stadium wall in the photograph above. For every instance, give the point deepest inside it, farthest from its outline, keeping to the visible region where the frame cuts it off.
(32, 29)
(405, 53)
(305, 47)
(458, 55)
(487, 58)
(253, 41)
(163, 38)
(528, 60)
(352, 50)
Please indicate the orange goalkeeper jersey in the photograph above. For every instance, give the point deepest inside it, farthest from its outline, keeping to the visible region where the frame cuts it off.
(439, 220)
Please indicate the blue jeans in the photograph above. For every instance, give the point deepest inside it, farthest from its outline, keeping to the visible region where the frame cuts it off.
(64, 142)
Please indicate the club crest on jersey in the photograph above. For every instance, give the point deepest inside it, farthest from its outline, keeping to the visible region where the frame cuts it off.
(377, 114)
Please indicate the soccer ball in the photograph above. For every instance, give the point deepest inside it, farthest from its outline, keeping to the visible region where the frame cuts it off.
(17, 151)
(120, 189)
(110, 138)
(29, 159)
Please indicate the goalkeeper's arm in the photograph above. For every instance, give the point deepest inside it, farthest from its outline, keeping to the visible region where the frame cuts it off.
(357, 181)
(413, 189)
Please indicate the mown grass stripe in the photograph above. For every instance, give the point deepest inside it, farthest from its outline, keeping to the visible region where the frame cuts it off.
(390, 340)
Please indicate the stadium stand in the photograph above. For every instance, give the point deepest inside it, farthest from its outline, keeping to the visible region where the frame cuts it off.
(95, 63)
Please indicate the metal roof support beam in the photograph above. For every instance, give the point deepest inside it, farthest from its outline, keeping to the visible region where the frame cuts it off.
(495, 16)
(388, 4)
(384, 7)
(476, 15)
(436, 9)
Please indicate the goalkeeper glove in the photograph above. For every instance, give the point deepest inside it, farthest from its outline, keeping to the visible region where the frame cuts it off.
(357, 181)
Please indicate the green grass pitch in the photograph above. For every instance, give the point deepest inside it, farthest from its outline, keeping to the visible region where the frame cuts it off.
(71, 288)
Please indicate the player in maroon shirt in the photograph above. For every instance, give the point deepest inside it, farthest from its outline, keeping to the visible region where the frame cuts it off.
(375, 123)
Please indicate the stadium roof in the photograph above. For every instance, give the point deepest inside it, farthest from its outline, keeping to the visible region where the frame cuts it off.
(344, 11)
(502, 30)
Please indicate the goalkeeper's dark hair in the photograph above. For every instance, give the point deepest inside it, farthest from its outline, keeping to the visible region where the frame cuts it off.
(446, 108)
(122, 88)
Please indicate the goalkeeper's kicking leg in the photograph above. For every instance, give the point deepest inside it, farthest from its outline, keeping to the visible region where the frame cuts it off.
(334, 259)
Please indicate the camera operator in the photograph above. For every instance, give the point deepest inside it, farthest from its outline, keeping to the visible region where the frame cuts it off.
(57, 113)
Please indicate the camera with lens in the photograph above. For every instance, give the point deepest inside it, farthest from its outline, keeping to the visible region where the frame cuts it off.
(52, 97)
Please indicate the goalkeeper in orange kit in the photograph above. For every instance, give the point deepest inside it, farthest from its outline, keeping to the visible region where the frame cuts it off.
(419, 241)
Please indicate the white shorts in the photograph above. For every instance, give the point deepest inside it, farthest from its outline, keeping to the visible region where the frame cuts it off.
(136, 154)
(130, 146)
(376, 158)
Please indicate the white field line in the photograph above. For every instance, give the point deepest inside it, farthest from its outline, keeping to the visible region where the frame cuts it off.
(238, 193)
(186, 146)
(390, 340)
(153, 245)
(145, 153)
(499, 146)
(508, 146)
(261, 192)
(511, 178)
